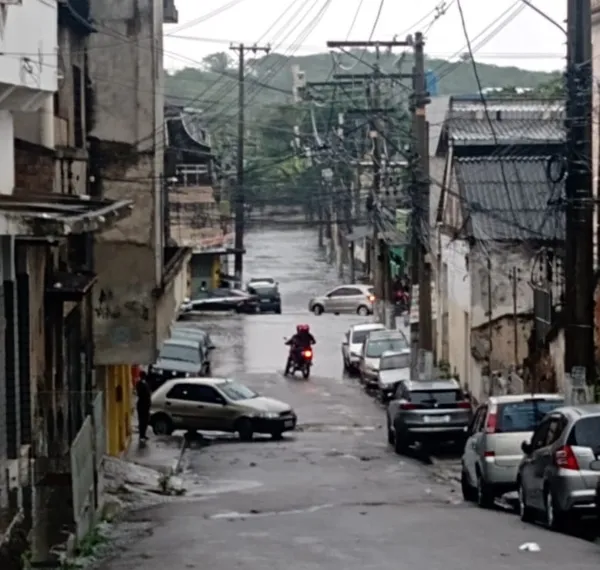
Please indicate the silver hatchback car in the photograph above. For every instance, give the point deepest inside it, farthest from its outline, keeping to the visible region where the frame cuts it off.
(492, 451)
(356, 299)
(556, 477)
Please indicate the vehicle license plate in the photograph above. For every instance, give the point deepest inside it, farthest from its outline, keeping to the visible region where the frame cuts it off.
(264, 300)
(436, 419)
(288, 423)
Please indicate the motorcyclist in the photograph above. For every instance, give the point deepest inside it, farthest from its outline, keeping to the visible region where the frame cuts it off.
(302, 340)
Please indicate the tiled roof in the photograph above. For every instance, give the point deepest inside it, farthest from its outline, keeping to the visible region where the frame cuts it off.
(512, 121)
(510, 198)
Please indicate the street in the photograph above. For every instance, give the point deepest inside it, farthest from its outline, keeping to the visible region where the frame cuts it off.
(332, 495)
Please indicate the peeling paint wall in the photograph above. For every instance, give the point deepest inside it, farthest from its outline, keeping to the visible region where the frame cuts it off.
(124, 309)
(126, 162)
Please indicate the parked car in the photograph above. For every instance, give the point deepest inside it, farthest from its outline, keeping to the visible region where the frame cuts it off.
(218, 404)
(355, 298)
(376, 343)
(262, 280)
(178, 357)
(492, 453)
(433, 411)
(352, 344)
(268, 295)
(394, 367)
(556, 477)
(192, 333)
(220, 300)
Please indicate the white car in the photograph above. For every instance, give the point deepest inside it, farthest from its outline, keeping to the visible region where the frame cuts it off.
(375, 345)
(394, 367)
(352, 344)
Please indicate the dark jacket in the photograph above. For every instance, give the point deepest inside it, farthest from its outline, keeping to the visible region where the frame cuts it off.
(302, 340)
(144, 394)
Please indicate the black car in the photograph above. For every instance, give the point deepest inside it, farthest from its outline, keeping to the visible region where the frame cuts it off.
(268, 293)
(195, 334)
(220, 300)
(178, 358)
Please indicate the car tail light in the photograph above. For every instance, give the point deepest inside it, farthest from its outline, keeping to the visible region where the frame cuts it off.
(565, 458)
(464, 405)
(408, 406)
(307, 353)
(490, 454)
(492, 420)
(371, 298)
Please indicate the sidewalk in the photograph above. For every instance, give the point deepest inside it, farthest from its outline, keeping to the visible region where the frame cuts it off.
(161, 453)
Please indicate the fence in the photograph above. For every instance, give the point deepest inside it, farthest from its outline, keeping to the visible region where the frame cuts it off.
(87, 451)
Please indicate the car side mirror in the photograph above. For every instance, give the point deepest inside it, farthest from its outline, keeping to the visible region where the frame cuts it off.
(526, 447)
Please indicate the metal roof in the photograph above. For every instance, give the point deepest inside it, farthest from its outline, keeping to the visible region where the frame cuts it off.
(510, 198)
(507, 121)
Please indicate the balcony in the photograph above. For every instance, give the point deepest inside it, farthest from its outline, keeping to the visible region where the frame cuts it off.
(170, 13)
(27, 80)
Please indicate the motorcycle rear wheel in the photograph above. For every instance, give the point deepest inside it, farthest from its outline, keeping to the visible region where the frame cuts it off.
(306, 371)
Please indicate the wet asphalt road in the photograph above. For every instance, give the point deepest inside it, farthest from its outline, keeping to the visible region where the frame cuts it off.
(331, 496)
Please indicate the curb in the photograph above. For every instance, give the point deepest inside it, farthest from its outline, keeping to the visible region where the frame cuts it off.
(176, 466)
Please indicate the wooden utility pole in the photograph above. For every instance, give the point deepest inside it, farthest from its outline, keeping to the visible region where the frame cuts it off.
(239, 202)
(579, 271)
(420, 217)
(381, 274)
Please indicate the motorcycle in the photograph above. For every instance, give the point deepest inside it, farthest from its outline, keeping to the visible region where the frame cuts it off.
(299, 361)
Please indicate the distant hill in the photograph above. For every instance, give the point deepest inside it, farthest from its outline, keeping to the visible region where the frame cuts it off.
(214, 86)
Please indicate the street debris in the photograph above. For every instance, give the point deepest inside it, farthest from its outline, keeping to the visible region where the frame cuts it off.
(530, 547)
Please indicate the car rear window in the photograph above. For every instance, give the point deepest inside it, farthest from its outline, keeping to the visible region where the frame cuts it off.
(395, 362)
(586, 433)
(523, 416)
(375, 348)
(425, 397)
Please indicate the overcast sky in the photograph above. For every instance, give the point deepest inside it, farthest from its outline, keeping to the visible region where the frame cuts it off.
(526, 40)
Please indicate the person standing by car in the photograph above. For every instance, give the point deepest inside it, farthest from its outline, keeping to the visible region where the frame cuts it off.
(144, 401)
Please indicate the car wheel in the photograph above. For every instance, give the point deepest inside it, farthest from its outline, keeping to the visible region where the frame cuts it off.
(244, 429)
(526, 513)
(318, 310)
(362, 311)
(468, 492)
(485, 497)
(277, 435)
(390, 433)
(278, 311)
(161, 424)
(554, 518)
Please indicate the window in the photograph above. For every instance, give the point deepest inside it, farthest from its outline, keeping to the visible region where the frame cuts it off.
(359, 337)
(435, 396)
(340, 292)
(395, 362)
(195, 393)
(555, 428)
(376, 348)
(235, 391)
(524, 416)
(586, 433)
(79, 137)
(182, 353)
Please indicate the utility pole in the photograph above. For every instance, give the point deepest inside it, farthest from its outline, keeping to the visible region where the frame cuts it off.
(579, 281)
(239, 202)
(421, 264)
(381, 273)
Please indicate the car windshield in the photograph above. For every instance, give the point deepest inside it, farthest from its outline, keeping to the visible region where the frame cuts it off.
(586, 433)
(394, 362)
(359, 337)
(263, 289)
(376, 348)
(235, 391)
(180, 353)
(523, 416)
(437, 396)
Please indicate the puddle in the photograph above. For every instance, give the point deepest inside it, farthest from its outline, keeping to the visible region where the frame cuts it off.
(234, 515)
(198, 488)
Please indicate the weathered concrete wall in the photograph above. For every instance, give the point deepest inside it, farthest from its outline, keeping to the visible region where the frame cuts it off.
(177, 291)
(124, 309)
(34, 168)
(596, 106)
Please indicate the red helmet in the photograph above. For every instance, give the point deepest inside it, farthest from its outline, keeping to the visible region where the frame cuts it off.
(302, 328)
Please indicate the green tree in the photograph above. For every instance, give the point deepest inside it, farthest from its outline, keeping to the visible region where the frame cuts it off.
(219, 62)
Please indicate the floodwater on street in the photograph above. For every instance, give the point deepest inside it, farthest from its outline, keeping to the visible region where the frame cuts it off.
(332, 495)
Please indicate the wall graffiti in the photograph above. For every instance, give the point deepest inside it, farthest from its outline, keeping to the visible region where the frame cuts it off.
(110, 307)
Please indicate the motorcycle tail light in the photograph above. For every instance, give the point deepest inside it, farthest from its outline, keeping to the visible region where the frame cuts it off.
(308, 353)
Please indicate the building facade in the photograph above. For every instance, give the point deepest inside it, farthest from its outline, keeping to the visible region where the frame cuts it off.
(140, 280)
(497, 211)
